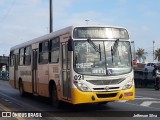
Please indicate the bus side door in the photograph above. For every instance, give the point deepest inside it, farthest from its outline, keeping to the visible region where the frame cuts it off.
(16, 62)
(66, 82)
(34, 71)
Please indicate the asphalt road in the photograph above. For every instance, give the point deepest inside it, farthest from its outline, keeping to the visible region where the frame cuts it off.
(147, 102)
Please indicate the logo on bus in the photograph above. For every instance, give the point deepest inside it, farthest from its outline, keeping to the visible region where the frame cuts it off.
(106, 88)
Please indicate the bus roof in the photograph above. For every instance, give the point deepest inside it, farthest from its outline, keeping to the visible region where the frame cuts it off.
(54, 34)
(45, 37)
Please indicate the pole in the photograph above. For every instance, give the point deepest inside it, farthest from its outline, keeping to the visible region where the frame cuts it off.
(51, 17)
(87, 21)
(153, 49)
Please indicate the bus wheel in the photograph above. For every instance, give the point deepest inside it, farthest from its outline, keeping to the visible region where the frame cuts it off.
(54, 98)
(21, 89)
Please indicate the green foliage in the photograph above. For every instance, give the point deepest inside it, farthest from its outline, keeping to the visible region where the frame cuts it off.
(157, 54)
(141, 54)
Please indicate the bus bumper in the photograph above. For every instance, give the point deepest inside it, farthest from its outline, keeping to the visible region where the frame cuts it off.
(79, 97)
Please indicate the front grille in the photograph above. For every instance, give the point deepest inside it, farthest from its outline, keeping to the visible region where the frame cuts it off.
(105, 89)
(106, 95)
(105, 82)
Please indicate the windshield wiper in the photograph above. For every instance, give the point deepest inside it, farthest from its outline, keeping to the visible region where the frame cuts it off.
(114, 48)
(96, 48)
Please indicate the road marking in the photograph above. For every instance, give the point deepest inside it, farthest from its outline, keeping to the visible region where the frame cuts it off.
(139, 98)
(7, 109)
(4, 107)
(122, 101)
(145, 98)
(148, 103)
(21, 104)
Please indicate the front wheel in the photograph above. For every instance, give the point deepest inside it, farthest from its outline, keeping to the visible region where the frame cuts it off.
(54, 98)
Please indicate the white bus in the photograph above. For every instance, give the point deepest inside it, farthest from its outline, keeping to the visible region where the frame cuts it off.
(77, 64)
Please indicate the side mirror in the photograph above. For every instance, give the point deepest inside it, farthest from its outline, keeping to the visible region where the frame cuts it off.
(70, 45)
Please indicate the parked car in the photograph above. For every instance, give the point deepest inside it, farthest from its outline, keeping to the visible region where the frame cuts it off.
(150, 66)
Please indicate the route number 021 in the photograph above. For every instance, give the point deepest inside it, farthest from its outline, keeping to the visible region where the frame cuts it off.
(78, 77)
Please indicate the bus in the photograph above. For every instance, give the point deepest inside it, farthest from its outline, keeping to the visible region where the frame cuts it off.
(77, 64)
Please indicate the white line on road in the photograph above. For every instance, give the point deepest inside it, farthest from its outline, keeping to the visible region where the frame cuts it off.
(145, 98)
(122, 101)
(148, 103)
(139, 98)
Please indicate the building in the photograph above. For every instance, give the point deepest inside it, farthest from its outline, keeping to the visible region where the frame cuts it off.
(4, 67)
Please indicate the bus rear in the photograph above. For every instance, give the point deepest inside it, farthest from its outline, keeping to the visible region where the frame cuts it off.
(101, 65)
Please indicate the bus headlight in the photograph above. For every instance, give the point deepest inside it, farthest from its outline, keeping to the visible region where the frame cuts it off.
(81, 86)
(128, 85)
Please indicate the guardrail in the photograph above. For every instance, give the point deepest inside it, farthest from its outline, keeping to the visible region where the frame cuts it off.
(143, 79)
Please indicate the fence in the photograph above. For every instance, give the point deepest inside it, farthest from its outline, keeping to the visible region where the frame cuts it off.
(143, 79)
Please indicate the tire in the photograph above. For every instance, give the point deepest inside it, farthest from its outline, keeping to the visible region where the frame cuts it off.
(21, 89)
(54, 98)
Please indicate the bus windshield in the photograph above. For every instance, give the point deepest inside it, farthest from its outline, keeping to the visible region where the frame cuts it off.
(88, 61)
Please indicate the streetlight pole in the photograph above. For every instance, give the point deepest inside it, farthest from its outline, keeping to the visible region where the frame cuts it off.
(87, 21)
(51, 17)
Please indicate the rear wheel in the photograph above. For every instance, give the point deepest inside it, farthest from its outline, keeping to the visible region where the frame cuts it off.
(54, 98)
(21, 89)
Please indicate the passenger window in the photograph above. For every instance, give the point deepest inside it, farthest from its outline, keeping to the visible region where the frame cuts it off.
(27, 60)
(11, 59)
(54, 50)
(43, 52)
(21, 61)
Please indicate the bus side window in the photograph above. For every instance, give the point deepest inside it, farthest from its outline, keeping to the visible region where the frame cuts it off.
(54, 50)
(43, 52)
(21, 58)
(27, 60)
(11, 62)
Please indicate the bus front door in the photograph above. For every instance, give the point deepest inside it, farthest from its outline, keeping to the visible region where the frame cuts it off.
(66, 83)
(34, 71)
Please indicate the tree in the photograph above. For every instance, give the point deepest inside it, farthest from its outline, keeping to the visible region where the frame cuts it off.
(157, 54)
(141, 54)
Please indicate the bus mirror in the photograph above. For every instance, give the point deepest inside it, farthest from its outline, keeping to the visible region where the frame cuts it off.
(70, 44)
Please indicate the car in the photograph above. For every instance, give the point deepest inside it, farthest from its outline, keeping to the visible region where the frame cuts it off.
(150, 66)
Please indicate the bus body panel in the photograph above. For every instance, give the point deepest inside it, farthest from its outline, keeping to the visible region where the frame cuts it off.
(43, 74)
(24, 73)
(11, 76)
(91, 97)
(54, 75)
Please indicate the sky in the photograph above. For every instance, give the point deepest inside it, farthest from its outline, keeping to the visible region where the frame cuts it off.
(23, 20)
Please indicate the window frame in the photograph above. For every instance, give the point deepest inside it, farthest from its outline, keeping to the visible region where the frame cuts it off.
(11, 59)
(21, 55)
(43, 51)
(28, 55)
(54, 49)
